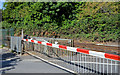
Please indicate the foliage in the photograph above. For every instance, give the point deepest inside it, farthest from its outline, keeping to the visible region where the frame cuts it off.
(5, 24)
(2, 46)
(85, 20)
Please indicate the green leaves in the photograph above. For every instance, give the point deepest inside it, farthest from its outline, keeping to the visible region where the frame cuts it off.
(58, 10)
(90, 20)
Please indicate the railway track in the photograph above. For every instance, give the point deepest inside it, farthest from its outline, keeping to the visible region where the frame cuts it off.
(101, 48)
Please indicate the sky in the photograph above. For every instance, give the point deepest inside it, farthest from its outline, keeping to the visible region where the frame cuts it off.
(1, 3)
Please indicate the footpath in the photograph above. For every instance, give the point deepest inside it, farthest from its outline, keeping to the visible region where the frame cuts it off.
(11, 63)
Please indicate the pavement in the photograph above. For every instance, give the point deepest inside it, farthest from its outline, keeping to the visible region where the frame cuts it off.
(25, 64)
(29, 64)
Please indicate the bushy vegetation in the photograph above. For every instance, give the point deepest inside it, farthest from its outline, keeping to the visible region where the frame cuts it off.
(84, 20)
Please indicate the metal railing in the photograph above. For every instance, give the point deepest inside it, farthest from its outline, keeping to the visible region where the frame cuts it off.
(67, 42)
(76, 61)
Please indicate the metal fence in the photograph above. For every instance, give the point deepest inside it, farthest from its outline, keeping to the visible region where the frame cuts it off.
(75, 61)
(16, 44)
(67, 42)
(8, 39)
(4, 36)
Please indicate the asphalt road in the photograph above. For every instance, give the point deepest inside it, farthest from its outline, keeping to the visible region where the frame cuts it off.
(27, 64)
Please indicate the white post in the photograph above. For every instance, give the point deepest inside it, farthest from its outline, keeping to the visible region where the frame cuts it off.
(21, 43)
(56, 42)
(22, 34)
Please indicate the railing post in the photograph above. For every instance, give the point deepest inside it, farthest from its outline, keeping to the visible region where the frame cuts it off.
(72, 43)
(33, 46)
(22, 34)
(22, 46)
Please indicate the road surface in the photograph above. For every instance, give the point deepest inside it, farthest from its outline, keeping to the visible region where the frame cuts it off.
(26, 64)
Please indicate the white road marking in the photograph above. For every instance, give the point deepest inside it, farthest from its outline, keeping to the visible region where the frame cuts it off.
(51, 63)
(6, 68)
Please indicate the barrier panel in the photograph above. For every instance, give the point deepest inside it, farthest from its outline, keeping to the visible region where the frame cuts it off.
(75, 59)
(16, 44)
